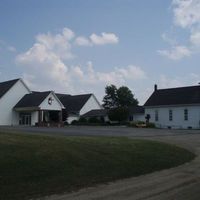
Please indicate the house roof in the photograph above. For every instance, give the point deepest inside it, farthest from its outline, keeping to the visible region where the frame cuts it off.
(5, 86)
(96, 113)
(136, 110)
(175, 96)
(73, 104)
(33, 99)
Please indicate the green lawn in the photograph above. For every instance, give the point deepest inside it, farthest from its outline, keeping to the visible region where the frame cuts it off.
(32, 166)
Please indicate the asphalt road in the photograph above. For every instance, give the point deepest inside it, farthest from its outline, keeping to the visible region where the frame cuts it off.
(180, 183)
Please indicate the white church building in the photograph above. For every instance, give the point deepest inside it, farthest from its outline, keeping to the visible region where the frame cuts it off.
(174, 107)
(21, 106)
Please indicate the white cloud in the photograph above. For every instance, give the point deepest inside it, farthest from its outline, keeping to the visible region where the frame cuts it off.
(117, 76)
(59, 43)
(178, 81)
(176, 53)
(165, 82)
(77, 72)
(46, 66)
(94, 39)
(82, 41)
(168, 39)
(104, 38)
(43, 64)
(186, 12)
(187, 16)
(195, 38)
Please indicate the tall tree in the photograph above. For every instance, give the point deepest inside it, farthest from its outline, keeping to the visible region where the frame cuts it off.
(110, 99)
(125, 97)
(121, 97)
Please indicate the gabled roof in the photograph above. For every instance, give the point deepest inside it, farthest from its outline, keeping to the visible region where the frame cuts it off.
(73, 104)
(96, 113)
(136, 110)
(5, 86)
(175, 96)
(33, 99)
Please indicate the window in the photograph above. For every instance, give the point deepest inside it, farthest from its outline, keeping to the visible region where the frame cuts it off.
(156, 115)
(170, 115)
(186, 114)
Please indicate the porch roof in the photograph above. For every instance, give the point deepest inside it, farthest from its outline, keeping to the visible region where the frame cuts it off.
(32, 100)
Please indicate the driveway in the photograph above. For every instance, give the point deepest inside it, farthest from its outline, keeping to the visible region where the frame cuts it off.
(180, 183)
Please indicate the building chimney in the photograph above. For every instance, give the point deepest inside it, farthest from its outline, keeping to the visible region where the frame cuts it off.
(155, 87)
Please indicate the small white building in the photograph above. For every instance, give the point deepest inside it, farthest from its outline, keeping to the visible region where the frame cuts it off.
(136, 114)
(174, 107)
(100, 114)
(77, 105)
(20, 106)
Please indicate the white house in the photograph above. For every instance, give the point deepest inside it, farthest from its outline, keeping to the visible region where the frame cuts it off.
(100, 114)
(77, 105)
(10, 93)
(174, 107)
(20, 106)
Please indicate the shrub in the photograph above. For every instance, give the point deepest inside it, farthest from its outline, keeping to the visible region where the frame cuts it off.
(94, 120)
(74, 122)
(66, 123)
(132, 124)
(82, 120)
(118, 114)
(151, 125)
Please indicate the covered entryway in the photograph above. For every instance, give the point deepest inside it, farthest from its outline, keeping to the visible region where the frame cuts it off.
(40, 109)
(49, 118)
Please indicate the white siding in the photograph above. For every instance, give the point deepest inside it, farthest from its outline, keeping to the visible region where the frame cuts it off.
(178, 116)
(34, 118)
(138, 117)
(54, 106)
(8, 101)
(72, 118)
(91, 104)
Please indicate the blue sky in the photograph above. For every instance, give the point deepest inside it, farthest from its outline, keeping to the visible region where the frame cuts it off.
(80, 46)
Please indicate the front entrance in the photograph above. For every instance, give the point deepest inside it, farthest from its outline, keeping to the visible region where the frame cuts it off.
(50, 118)
(25, 119)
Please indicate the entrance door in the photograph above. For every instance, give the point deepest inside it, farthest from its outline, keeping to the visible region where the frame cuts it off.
(25, 119)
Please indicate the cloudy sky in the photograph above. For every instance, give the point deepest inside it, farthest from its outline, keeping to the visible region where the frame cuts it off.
(80, 46)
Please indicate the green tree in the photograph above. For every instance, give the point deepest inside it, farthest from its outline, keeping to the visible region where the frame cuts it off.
(125, 97)
(121, 97)
(110, 99)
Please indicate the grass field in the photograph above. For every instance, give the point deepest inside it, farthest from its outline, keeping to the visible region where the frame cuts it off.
(33, 166)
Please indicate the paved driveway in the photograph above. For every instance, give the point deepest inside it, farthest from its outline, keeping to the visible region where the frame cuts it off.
(100, 131)
(180, 183)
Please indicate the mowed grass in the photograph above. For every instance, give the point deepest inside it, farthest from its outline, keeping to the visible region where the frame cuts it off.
(33, 166)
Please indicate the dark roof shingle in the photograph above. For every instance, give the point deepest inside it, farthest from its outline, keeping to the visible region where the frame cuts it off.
(33, 99)
(175, 96)
(136, 110)
(73, 104)
(96, 113)
(5, 86)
